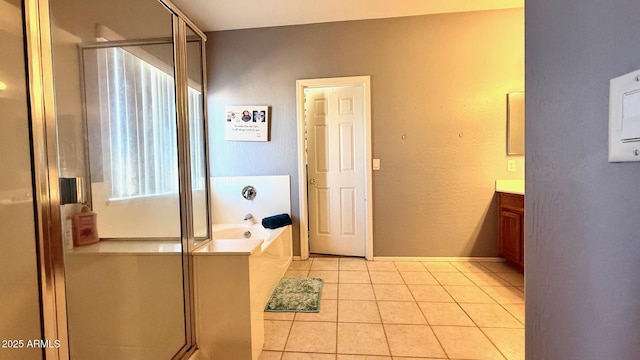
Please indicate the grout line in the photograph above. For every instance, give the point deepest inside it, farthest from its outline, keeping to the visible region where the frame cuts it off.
(492, 343)
(431, 327)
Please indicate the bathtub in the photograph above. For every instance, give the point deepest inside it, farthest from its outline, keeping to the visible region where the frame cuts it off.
(234, 277)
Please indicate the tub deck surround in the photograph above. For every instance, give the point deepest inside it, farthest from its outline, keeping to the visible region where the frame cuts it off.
(236, 247)
(233, 279)
(121, 247)
(273, 196)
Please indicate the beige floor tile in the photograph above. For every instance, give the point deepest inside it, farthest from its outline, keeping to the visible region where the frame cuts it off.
(513, 278)
(469, 266)
(271, 315)
(355, 292)
(409, 266)
(418, 278)
(300, 265)
(400, 312)
(329, 291)
(491, 315)
(296, 273)
(501, 267)
(450, 314)
(354, 277)
(386, 277)
(353, 264)
(504, 294)
(307, 356)
(466, 343)
(312, 337)
(413, 340)
(487, 279)
(439, 266)
(360, 311)
(363, 339)
(270, 355)
(430, 293)
(328, 276)
(509, 341)
(381, 266)
(328, 312)
(451, 278)
(325, 264)
(517, 310)
(392, 292)
(365, 357)
(469, 294)
(275, 334)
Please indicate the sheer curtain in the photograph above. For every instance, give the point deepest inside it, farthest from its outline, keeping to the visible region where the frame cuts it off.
(138, 126)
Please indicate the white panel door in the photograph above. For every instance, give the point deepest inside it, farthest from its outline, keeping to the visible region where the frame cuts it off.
(336, 170)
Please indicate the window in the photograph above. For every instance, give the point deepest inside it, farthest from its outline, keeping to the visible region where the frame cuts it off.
(137, 128)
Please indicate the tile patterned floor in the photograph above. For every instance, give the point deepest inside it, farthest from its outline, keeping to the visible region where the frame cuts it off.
(403, 310)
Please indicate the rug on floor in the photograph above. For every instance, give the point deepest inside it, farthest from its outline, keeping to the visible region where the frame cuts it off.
(296, 295)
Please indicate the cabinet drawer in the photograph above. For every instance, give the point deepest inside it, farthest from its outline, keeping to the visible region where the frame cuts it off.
(511, 201)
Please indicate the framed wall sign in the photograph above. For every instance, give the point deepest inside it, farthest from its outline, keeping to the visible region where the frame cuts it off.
(247, 123)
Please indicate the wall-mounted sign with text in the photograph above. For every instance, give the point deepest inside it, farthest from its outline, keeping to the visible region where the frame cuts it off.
(247, 123)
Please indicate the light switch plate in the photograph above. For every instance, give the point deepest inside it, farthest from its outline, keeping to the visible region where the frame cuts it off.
(376, 164)
(624, 118)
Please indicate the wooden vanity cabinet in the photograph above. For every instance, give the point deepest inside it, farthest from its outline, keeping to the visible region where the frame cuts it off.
(511, 227)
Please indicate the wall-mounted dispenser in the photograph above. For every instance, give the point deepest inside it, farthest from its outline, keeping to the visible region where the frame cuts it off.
(71, 190)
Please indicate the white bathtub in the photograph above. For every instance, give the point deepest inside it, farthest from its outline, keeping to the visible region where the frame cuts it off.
(234, 277)
(237, 232)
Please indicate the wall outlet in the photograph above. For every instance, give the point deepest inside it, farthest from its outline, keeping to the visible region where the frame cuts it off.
(511, 165)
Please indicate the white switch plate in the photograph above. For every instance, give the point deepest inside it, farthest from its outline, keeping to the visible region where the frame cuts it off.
(511, 165)
(376, 164)
(624, 118)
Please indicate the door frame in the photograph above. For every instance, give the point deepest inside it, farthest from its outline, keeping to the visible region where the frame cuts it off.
(301, 85)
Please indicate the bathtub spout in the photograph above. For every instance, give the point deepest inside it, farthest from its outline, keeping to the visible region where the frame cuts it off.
(248, 217)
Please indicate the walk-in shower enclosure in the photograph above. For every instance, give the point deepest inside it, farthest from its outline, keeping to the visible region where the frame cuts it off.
(111, 97)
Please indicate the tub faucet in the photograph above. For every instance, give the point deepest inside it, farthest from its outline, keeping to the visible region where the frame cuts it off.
(249, 216)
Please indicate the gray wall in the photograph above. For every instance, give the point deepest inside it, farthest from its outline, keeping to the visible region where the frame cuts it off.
(582, 213)
(433, 77)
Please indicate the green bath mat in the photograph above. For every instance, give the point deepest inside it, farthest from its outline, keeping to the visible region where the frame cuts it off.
(296, 295)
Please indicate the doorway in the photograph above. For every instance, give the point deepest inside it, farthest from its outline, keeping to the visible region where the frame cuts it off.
(334, 162)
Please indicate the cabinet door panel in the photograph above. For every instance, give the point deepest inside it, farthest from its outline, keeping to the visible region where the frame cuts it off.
(510, 231)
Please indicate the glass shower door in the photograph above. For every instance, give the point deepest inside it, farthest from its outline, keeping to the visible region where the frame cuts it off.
(117, 132)
(20, 298)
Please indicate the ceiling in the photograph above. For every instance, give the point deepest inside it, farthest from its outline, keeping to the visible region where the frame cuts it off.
(214, 15)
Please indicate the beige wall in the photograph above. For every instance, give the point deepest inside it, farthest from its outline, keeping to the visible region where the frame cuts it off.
(433, 77)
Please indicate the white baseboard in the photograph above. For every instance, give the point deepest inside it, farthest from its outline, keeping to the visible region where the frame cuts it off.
(433, 258)
(439, 258)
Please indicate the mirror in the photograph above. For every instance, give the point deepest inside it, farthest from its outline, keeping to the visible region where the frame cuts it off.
(515, 123)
